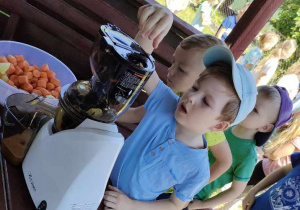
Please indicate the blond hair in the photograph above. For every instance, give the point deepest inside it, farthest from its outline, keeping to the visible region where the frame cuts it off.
(285, 134)
(272, 94)
(294, 69)
(223, 72)
(268, 40)
(283, 51)
(201, 42)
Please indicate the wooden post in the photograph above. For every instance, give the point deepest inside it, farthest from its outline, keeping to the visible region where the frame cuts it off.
(254, 19)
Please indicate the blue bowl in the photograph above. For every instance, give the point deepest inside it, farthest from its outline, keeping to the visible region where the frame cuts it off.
(34, 56)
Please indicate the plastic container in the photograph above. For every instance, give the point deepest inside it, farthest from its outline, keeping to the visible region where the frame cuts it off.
(21, 120)
(37, 57)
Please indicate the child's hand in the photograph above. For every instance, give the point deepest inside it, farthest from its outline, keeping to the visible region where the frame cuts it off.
(248, 201)
(155, 22)
(195, 204)
(115, 199)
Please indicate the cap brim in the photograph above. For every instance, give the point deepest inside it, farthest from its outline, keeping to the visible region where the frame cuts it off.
(218, 54)
(242, 79)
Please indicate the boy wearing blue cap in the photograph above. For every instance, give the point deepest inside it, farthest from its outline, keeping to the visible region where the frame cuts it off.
(273, 108)
(168, 148)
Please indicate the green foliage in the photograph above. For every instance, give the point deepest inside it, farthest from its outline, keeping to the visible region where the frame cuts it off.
(288, 21)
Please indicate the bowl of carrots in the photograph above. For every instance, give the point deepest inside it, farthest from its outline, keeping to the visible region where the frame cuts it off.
(24, 68)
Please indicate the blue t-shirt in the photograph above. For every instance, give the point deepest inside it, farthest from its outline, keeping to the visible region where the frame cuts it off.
(228, 23)
(152, 160)
(285, 194)
(252, 57)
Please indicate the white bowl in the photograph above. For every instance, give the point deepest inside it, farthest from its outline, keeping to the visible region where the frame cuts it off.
(34, 56)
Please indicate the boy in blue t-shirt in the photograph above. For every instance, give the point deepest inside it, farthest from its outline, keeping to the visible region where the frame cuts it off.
(285, 194)
(167, 146)
(229, 23)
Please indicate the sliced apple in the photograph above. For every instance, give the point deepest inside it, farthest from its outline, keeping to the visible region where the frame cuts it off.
(4, 77)
(4, 67)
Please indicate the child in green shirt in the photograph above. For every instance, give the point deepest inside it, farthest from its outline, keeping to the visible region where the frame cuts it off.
(273, 108)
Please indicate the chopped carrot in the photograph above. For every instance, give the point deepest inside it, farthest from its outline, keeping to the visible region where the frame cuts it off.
(51, 74)
(33, 85)
(23, 79)
(43, 75)
(54, 93)
(37, 92)
(58, 89)
(29, 75)
(26, 66)
(3, 59)
(45, 79)
(45, 67)
(54, 81)
(50, 86)
(11, 69)
(11, 83)
(34, 80)
(36, 67)
(38, 88)
(28, 87)
(36, 73)
(18, 71)
(11, 59)
(31, 68)
(45, 92)
(15, 81)
(21, 64)
(13, 77)
(19, 58)
(41, 83)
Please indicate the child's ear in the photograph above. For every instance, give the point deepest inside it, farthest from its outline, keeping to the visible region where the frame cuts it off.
(221, 126)
(266, 128)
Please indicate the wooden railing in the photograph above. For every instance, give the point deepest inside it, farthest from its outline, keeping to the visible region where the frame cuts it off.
(67, 29)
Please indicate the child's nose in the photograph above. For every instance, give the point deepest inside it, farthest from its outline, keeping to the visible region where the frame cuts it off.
(171, 71)
(192, 98)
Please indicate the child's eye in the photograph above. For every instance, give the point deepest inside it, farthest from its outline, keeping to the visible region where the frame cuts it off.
(205, 102)
(194, 88)
(255, 110)
(181, 70)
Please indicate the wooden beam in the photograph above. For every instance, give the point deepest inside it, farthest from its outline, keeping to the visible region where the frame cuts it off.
(11, 26)
(254, 19)
(112, 15)
(48, 23)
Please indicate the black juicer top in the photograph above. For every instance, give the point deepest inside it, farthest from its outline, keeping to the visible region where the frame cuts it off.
(120, 69)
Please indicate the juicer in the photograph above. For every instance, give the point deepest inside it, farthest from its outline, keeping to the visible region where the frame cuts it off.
(69, 162)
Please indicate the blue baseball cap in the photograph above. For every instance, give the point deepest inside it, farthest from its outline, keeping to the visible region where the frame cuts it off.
(243, 80)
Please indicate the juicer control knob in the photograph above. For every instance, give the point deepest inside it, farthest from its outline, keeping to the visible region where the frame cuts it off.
(42, 206)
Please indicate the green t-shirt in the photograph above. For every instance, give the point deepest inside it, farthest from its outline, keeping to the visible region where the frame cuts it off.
(244, 159)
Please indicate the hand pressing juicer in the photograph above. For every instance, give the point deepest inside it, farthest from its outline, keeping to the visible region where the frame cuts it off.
(69, 162)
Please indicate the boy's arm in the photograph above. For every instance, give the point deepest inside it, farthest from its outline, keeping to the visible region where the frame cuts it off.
(132, 115)
(115, 199)
(282, 151)
(233, 192)
(260, 77)
(154, 22)
(223, 156)
(220, 32)
(266, 182)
